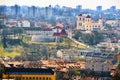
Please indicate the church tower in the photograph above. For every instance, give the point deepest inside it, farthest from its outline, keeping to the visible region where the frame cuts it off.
(87, 23)
(79, 22)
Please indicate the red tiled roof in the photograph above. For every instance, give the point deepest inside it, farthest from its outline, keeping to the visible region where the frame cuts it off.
(63, 32)
(57, 27)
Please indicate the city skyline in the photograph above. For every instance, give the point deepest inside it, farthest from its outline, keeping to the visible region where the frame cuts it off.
(106, 4)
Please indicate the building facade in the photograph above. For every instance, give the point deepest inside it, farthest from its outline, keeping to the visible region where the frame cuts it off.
(99, 8)
(98, 66)
(29, 74)
(87, 24)
(113, 23)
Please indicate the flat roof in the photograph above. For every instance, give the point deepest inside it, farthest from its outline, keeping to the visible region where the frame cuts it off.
(28, 71)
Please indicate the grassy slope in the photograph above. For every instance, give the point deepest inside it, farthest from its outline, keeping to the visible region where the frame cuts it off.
(3, 52)
(15, 51)
(65, 42)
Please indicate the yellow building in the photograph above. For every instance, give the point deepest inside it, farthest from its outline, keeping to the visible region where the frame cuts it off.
(87, 24)
(29, 74)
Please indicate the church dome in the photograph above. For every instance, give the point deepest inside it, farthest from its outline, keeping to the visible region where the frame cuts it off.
(88, 16)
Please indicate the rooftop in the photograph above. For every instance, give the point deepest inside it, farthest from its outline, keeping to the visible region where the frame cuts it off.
(88, 16)
(28, 71)
(80, 15)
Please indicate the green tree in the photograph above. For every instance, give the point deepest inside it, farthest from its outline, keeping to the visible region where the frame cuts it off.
(16, 31)
(98, 37)
(77, 72)
(89, 38)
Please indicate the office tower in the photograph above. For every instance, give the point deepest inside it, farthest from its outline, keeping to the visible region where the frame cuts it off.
(113, 8)
(2, 15)
(99, 8)
(79, 7)
(3, 10)
(48, 12)
(15, 11)
(32, 11)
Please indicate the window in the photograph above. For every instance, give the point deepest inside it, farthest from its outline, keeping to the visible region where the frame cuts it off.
(43, 78)
(23, 78)
(46, 78)
(40, 78)
(80, 18)
(36, 78)
(50, 78)
(30, 78)
(80, 24)
(26, 78)
(33, 78)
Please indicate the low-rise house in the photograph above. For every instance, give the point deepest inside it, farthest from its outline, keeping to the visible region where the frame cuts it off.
(98, 66)
(24, 23)
(113, 23)
(11, 23)
(41, 24)
(45, 34)
(59, 31)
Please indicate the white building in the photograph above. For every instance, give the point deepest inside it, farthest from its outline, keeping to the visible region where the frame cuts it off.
(98, 66)
(59, 54)
(113, 23)
(24, 23)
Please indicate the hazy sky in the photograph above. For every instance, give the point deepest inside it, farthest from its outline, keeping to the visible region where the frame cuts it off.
(70, 3)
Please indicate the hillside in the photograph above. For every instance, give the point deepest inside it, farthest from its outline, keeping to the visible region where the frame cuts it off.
(18, 49)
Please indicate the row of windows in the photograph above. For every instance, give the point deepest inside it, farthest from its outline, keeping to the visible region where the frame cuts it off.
(102, 69)
(94, 65)
(85, 19)
(32, 78)
(80, 24)
(92, 26)
(40, 32)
